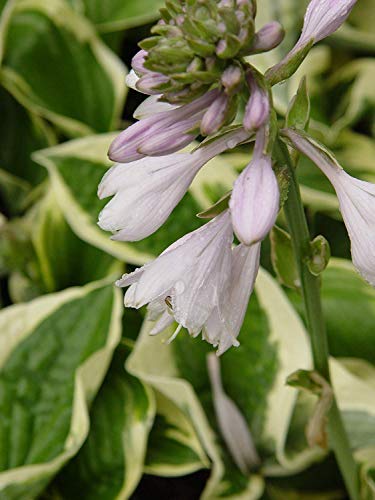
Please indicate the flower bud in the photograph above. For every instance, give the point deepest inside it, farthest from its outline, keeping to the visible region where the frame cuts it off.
(268, 37)
(220, 112)
(258, 106)
(255, 201)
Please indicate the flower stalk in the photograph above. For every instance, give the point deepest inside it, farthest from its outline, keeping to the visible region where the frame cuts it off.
(310, 286)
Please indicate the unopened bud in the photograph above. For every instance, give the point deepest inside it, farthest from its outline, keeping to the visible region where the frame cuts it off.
(220, 112)
(268, 37)
(232, 79)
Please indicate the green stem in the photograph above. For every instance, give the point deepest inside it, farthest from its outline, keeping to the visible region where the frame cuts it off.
(310, 286)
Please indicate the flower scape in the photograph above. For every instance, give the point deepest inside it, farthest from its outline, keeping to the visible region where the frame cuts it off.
(196, 69)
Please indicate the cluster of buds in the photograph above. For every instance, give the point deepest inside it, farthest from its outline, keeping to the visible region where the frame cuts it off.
(200, 45)
(193, 69)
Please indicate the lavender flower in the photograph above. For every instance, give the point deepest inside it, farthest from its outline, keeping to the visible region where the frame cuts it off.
(357, 203)
(191, 276)
(322, 18)
(147, 190)
(163, 133)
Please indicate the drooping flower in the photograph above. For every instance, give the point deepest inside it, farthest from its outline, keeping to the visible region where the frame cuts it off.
(322, 18)
(356, 199)
(255, 198)
(163, 133)
(231, 422)
(146, 191)
(223, 326)
(191, 276)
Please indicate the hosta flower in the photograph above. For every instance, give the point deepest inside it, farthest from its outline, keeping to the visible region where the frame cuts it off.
(357, 203)
(223, 326)
(255, 198)
(191, 276)
(322, 18)
(146, 191)
(162, 133)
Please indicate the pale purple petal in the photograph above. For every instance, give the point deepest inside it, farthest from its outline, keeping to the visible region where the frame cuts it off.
(268, 37)
(216, 115)
(151, 106)
(146, 192)
(223, 327)
(324, 17)
(162, 133)
(255, 201)
(258, 106)
(193, 274)
(356, 199)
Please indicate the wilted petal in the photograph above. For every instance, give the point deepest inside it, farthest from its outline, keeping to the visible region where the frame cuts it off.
(192, 275)
(223, 327)
(232, 424)
(255, 201)
(356, 199)
(258, 106)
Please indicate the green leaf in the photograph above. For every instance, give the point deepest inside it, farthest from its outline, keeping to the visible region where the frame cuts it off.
(115, 15)
(13, 192)
(253, 377)
(63, 259)
(76, 168)
(283, 260)
(360, 96)
(21, 133)
(349, 306)
(298, 113)
(37, 35)
(110, 463)
(55, 352)
(173, 447)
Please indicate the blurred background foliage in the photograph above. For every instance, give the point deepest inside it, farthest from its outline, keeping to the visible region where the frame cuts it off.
(90, 405)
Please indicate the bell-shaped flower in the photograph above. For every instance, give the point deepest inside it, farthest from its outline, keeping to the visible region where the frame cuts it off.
(163, 133)
(222, 327)
(356, 199)
(191, 276)
(255, 198)
(232, 424)
(258, 106)
(322, 18)
(146, 191)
